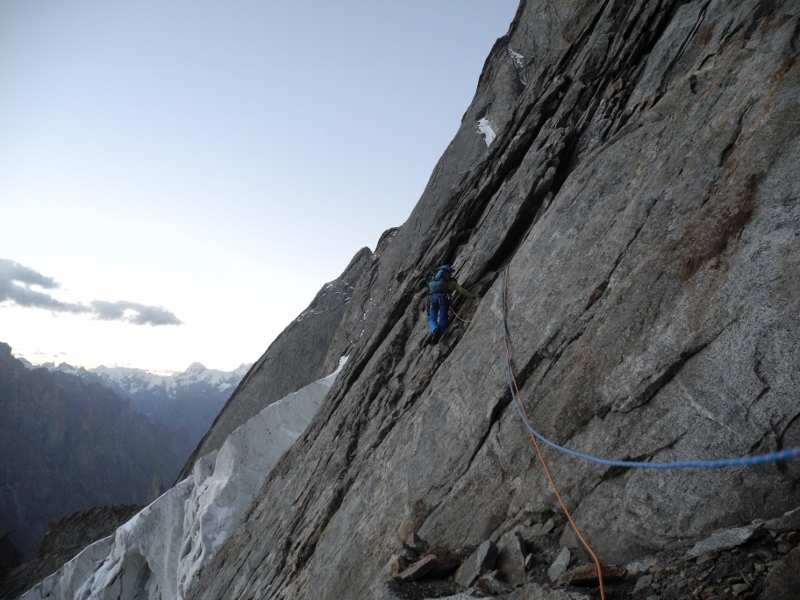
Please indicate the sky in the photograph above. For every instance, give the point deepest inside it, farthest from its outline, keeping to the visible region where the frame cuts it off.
(179, 179)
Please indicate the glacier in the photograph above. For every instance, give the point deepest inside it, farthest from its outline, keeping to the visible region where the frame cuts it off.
(160, 553)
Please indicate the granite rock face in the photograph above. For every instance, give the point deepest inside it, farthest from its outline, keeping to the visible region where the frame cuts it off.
(635, 165)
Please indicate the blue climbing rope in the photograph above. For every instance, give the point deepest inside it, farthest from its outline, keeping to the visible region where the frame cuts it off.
(758, 459)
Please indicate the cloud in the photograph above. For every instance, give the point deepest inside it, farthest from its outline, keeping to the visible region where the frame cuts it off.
(12, 271)
(132, 312)
(16, 283)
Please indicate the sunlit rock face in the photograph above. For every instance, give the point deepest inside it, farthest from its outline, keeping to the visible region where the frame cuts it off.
(162, 550)
(634, 165)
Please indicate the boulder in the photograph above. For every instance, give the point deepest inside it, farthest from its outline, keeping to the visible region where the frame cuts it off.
(419, 569)
(559, 565)
(511, 556)
(724, 540)
(790, 521)
(479, 562)
(446, 561)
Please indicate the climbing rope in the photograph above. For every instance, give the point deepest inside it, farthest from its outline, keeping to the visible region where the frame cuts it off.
(757, 459)
(521, 409)
(458, 317)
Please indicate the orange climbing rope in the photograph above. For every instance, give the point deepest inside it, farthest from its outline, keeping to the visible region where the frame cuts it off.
(459, 318)
(574, 525)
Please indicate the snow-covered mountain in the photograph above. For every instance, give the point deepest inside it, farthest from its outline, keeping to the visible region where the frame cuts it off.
(188, 401)
(137, 383)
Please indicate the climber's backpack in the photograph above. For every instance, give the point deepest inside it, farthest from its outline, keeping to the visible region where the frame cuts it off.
(439, 281)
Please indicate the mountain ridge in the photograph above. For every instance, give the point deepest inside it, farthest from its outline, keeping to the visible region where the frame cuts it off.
(68, 445)
(186, 402)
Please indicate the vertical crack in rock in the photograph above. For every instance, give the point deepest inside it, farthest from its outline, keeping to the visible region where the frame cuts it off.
(726, 151)
(494, 417)
(701, 14)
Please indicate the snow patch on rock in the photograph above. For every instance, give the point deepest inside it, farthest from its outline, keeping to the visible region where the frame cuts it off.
(485, 129)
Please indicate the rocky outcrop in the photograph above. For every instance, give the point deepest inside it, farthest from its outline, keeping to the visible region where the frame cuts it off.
(10, 558)
(633, 163)
(302, 353)
(67, 446)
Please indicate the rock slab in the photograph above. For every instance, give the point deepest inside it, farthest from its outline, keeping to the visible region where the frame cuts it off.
(559, 565)
(724, 540)
(479, 562)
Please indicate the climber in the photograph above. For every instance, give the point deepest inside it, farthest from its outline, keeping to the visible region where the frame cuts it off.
(441, 284)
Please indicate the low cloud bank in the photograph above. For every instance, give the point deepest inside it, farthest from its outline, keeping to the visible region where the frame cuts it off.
(16, 286)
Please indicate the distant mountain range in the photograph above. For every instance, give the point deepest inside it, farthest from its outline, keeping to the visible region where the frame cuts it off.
(187, 402)
(73, 438)
(67, 444)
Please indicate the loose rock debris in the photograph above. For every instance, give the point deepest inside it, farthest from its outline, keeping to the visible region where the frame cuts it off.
(759, 561)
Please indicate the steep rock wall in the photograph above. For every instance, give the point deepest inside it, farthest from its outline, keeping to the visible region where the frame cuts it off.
(641, 186)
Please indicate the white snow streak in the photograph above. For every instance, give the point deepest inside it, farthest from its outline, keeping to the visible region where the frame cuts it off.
(485, 129)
